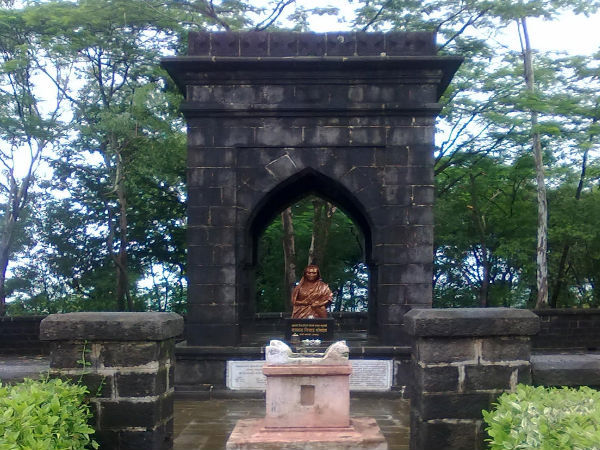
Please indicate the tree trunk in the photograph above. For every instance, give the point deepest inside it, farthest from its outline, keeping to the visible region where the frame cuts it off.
(289, 256)
(322, 218)
(542, 232)
(123, 274)
(5, 241)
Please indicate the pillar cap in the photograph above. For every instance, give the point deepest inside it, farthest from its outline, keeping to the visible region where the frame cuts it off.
(111, 326)
(471, 322)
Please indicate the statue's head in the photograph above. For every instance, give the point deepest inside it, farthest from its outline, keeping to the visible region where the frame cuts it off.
(312, 273)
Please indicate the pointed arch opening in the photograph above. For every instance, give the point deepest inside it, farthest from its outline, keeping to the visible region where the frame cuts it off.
(330, 229)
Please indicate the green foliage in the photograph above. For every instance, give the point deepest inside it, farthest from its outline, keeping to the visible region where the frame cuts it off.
(47, 414)
(545, 418)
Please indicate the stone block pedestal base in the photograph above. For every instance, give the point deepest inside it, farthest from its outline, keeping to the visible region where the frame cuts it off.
(362, 434)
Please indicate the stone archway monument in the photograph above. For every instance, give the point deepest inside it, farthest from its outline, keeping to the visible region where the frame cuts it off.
(275, 116)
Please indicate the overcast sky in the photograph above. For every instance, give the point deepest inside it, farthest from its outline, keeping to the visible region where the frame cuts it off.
(571, 33)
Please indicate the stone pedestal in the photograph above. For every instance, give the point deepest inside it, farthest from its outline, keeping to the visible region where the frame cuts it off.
(126, 360)
(462, 360)
(307, 405)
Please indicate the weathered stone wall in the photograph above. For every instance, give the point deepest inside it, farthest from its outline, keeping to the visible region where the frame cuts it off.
(569, 329)
(127, 362)
(21, 336)
(273, 117)
(462, 360)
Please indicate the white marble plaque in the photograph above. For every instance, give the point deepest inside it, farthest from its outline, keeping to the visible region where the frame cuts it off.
(367, 375)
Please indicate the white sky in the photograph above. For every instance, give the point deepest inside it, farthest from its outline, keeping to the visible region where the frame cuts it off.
(575, 34)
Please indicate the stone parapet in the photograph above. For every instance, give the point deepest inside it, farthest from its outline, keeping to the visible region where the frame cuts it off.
(462, 359)
(127, 362)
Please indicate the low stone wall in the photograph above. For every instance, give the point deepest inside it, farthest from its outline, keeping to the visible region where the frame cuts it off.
(462, 359)
(559, 369)
(127, 362)
(20, 336)
(569, 329)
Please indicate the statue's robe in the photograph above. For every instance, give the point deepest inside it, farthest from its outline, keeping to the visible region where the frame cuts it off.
(310, 299)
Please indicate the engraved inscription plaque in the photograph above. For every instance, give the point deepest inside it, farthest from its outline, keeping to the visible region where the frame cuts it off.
(367, 375)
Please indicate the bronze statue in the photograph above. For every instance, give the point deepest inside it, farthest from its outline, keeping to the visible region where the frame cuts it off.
(311, 296)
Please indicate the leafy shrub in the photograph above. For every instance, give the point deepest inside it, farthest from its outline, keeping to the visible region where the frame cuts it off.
(545, 418)
(44, 415)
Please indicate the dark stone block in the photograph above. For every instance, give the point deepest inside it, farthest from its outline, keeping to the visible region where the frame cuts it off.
(98, 385)
(391, 313)
(220, 216)
(421, 155)
(167, 406)
(132, 326)
(122, 414)
(391, 294)
(198, 372)
(420, 215)
(396, 195)
(213, 293)
(437, 379)
(415, 43)
(140, 384)
(210, 157)
(423, 195)
(566, 370)
(431, 351)
(488, 377)
(198, 43)
(392, 334)
(212, 334)
(453, 405)
(341, 44)
(471, 322)
(506, 349)
(67, 355)
(283, 44)
(202, 234)
(158, 439)
(201, 275)
(370, 44)
(282, 167)
(255, 43)
(310, 44)
(435, 435)
(215, 312)
(233, 136)
(326, 136)
(166, 352)
(129, 354)
(107, 439)
(419, 295)
(367, 136)
(225, 44)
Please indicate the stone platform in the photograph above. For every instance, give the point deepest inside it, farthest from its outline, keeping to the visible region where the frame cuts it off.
(363, 433)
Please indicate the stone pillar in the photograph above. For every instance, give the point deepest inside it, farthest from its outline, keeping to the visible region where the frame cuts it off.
(127, 362)
(462, 359)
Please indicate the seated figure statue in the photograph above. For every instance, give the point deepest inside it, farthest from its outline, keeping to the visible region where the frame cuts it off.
(311, 296)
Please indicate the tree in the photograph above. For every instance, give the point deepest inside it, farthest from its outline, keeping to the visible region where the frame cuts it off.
(29, 126)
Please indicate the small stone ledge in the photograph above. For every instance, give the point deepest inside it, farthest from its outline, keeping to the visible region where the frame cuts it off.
(471, 322)
(111, 326)
(566, 370)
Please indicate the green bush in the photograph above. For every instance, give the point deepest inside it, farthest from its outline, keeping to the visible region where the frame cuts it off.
(545, 418)
(44, 415)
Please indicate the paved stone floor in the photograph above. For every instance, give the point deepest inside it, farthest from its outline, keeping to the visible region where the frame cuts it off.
(206, 424)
